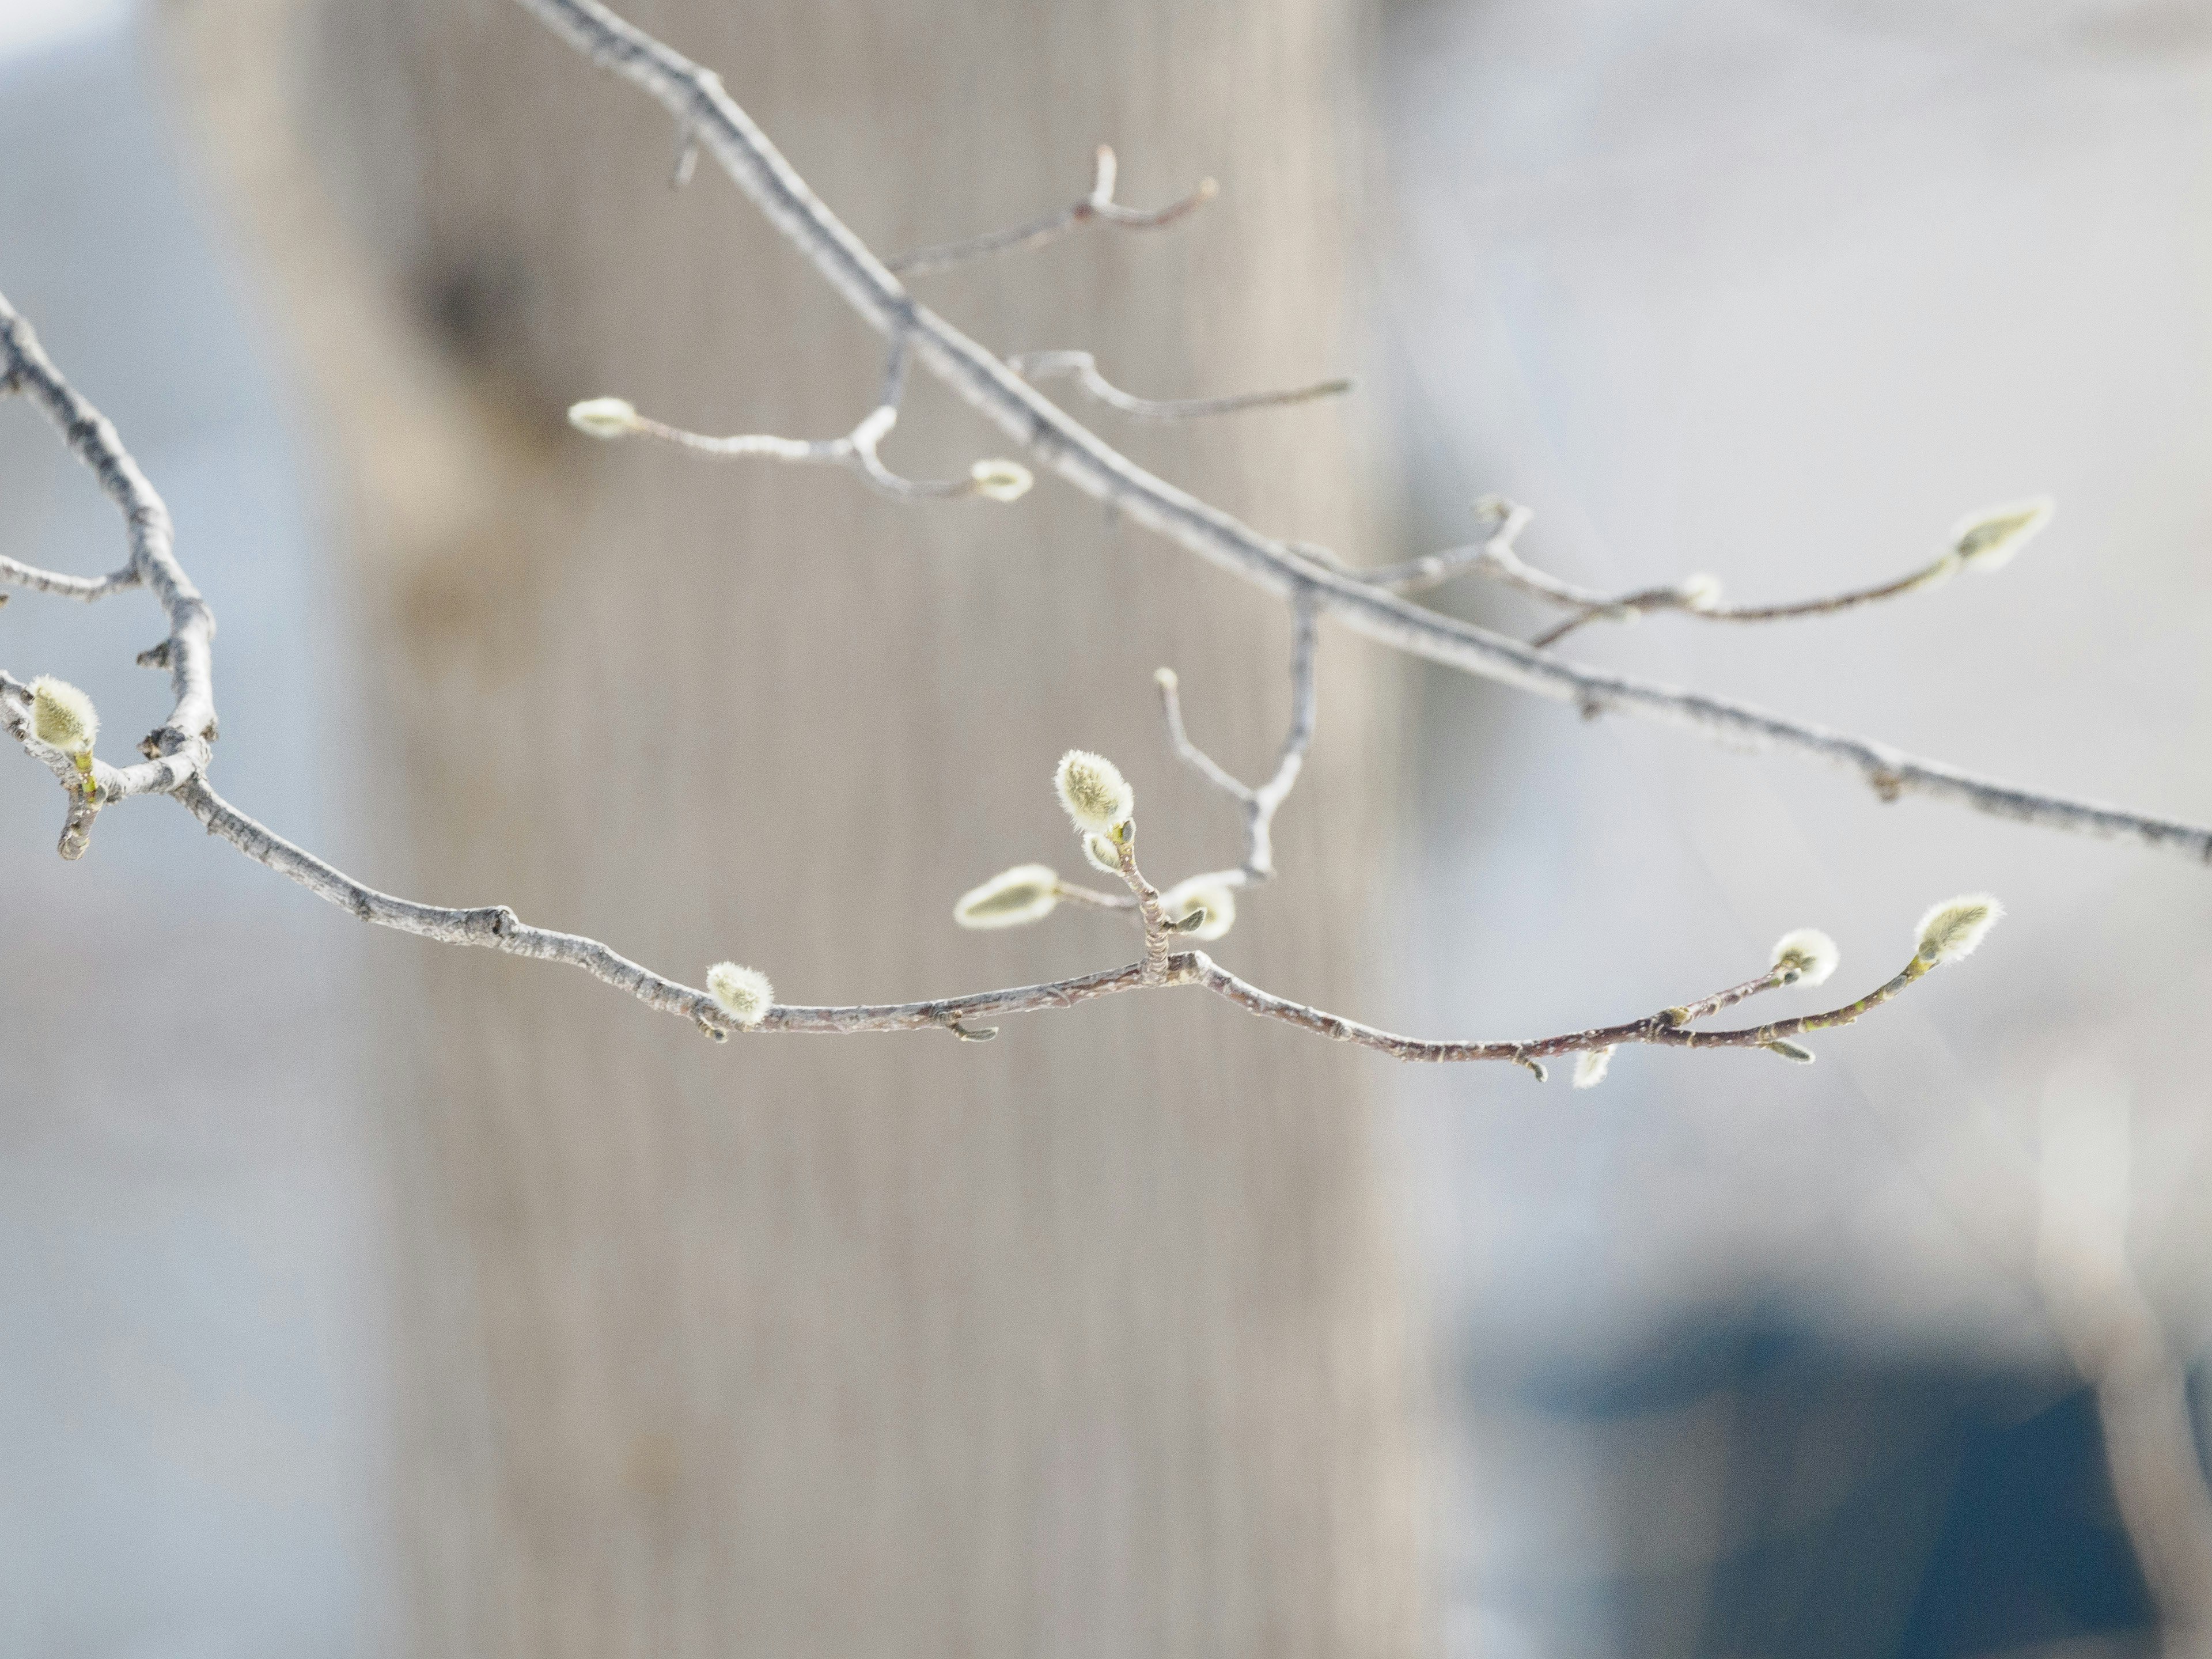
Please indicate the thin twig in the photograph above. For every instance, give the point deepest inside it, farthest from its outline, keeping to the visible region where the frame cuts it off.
(86, 588)
(1695, 598)
(1083, 367)
(1099, 207)
(1415, 575)
(696, 97)
(1259, 804)
(496, 926)
(179, 749)
(857, 449)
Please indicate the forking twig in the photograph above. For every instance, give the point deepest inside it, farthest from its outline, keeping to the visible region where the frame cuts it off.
(179, 752)
(1098, 207)
(696, 100)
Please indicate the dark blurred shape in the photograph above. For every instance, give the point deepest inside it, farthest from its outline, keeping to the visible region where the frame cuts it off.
(1913, 1510)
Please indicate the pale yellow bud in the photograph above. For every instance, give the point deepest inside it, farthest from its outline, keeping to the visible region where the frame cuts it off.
(1591, 1065)
(743, 993)
(1208, 893)
(1809, 953)
(1011, 898)
(1000, 480)
(1954, 927)
(1094, 792)
(1987, 540)
(1101, 854)
(604, 417)
(62, 715)
(1700, 591)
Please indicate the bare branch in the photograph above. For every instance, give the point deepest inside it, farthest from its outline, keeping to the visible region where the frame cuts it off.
(1695, 596)
(1698, 597)
(1098, 207)
(696, 97)
(609, 418)
(1259, 804)
(1082, 367)
(86, 588)
(1415, 575)
(178, 750)
(178, 754)
(497, 927)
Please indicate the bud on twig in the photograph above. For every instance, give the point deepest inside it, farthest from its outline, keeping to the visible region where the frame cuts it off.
(1099, 853)
(1954, 927)
(1011, 898)
(604, 417)
(743, 993)
(1700, 591)
(1209, 894)
(1789, 1050)
(1094, 792)
(1987, 540)
(1000, 480)
(62, 715)
(1806, 957)
(1591, 1065)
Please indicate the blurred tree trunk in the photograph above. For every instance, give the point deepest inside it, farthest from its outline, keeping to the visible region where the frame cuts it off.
(1088, 1342)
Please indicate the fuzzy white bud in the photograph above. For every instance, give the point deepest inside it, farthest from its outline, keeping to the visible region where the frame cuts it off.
(1807, 952)
(1954, 927)
(1987, 540)
(1208, 893)
(1101, 854)
(1094, 792)
(604, 417)
(1700, 591)
(1000, 480)
(1789, 1050)
(1011, 898)
(62, 715)
(743, 993)
(1591, 1065)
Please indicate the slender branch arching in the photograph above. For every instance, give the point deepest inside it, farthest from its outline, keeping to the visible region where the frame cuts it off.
(696, 99)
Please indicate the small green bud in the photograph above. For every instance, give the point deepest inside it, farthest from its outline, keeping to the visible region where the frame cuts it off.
(1011, 898)
(1789, 1050)
(1699, 592)
(1000, 480)
(1591, 1065)
(604, 417)
(1094, 792)
(1207, 894)
(1987, 540)
(62, 715)
(743, 993)
(1808, 954)
(1954, 927)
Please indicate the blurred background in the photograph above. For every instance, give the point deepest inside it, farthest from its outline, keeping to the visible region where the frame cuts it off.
(363, 1297)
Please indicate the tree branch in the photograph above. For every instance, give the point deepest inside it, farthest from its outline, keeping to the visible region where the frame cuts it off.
(1099, 207)
(695, 98)
(1259, 804)
(1083, 367)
